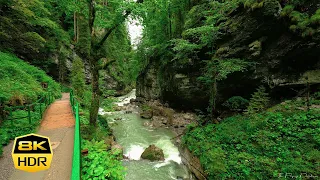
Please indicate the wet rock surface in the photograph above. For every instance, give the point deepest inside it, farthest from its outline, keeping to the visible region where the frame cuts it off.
(153, 153)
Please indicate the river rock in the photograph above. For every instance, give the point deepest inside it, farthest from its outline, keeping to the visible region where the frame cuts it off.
(153, 153)
(193, 164)
(147, 124)
(146, 114)
(132, 101)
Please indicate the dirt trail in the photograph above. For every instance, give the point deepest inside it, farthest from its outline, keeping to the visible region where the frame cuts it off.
(58, 125)
(59, 115)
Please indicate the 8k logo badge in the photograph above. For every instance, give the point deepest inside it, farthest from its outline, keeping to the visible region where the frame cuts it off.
(32, 153)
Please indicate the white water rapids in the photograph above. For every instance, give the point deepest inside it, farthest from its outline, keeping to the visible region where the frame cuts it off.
(135, 138)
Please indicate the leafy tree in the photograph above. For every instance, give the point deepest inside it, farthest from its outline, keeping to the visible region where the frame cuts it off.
(217, 70)
(100, 21)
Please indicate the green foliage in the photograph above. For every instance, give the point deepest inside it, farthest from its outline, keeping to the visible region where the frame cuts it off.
(108, 104)
(302, 23)
(219, 69)
(125, 69)
(259, 146)
(259, 100)
(20, 127)
(78, 77)
(236, 102)
(19, 79)
(287, 10)
(29, 29)
(87, 95)
(316, 17)
(184, 48)
(317, 95)
(100, 163)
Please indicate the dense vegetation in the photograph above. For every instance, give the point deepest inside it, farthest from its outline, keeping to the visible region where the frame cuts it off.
(215, 57)
(60, 37)
(20, 84)
(285, 139)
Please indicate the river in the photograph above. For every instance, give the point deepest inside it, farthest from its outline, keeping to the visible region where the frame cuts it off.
(134, 138)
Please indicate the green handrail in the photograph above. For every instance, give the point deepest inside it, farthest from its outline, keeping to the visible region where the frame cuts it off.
(46, 99)
(76, 160)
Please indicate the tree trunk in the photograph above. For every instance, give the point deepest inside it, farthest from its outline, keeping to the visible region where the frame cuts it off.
(213, 99)
(96, 93)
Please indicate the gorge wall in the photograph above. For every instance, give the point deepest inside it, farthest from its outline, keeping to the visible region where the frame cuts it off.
(282, 58)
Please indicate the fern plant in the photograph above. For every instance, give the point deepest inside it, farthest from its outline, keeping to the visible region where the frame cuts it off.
(100, 163)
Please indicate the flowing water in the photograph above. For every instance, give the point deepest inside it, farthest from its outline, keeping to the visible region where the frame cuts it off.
(134, 138)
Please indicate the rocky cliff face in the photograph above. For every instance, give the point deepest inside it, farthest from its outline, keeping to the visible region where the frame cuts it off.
(283, 60)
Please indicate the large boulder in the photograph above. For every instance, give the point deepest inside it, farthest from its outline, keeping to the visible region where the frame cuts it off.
(153, 153)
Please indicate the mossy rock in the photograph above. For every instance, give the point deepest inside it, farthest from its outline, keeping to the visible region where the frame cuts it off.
(271, 8)
(153, 153)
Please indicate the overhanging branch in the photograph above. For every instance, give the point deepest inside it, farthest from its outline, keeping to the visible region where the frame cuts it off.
(105, 37)
(105, 64)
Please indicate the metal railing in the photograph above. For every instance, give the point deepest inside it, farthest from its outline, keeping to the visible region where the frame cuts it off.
(43, 102)
(76, 160)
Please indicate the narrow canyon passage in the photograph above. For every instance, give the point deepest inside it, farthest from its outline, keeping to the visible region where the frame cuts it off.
(134, 137)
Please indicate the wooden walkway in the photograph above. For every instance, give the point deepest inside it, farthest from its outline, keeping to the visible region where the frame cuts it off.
(57, 124)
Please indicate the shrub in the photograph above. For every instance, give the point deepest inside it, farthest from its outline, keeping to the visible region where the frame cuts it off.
(9, 130)
(236, 102)
(317, 95)
(100, 163)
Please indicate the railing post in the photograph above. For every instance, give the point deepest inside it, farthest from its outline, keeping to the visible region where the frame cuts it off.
(40, 110)
(29, 114)
(10, 115)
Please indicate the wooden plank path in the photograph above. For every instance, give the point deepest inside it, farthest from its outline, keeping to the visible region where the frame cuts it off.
(57, 124)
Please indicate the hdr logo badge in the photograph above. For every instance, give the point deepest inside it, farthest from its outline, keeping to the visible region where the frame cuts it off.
(32, 153)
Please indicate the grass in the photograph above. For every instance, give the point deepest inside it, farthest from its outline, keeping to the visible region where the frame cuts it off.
(19, 80)
(284, 139)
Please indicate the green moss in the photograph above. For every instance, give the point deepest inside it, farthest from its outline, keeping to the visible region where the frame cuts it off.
(271, 8)
(312, 75)
(255, 48)
(222, 50)
(257, 5)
